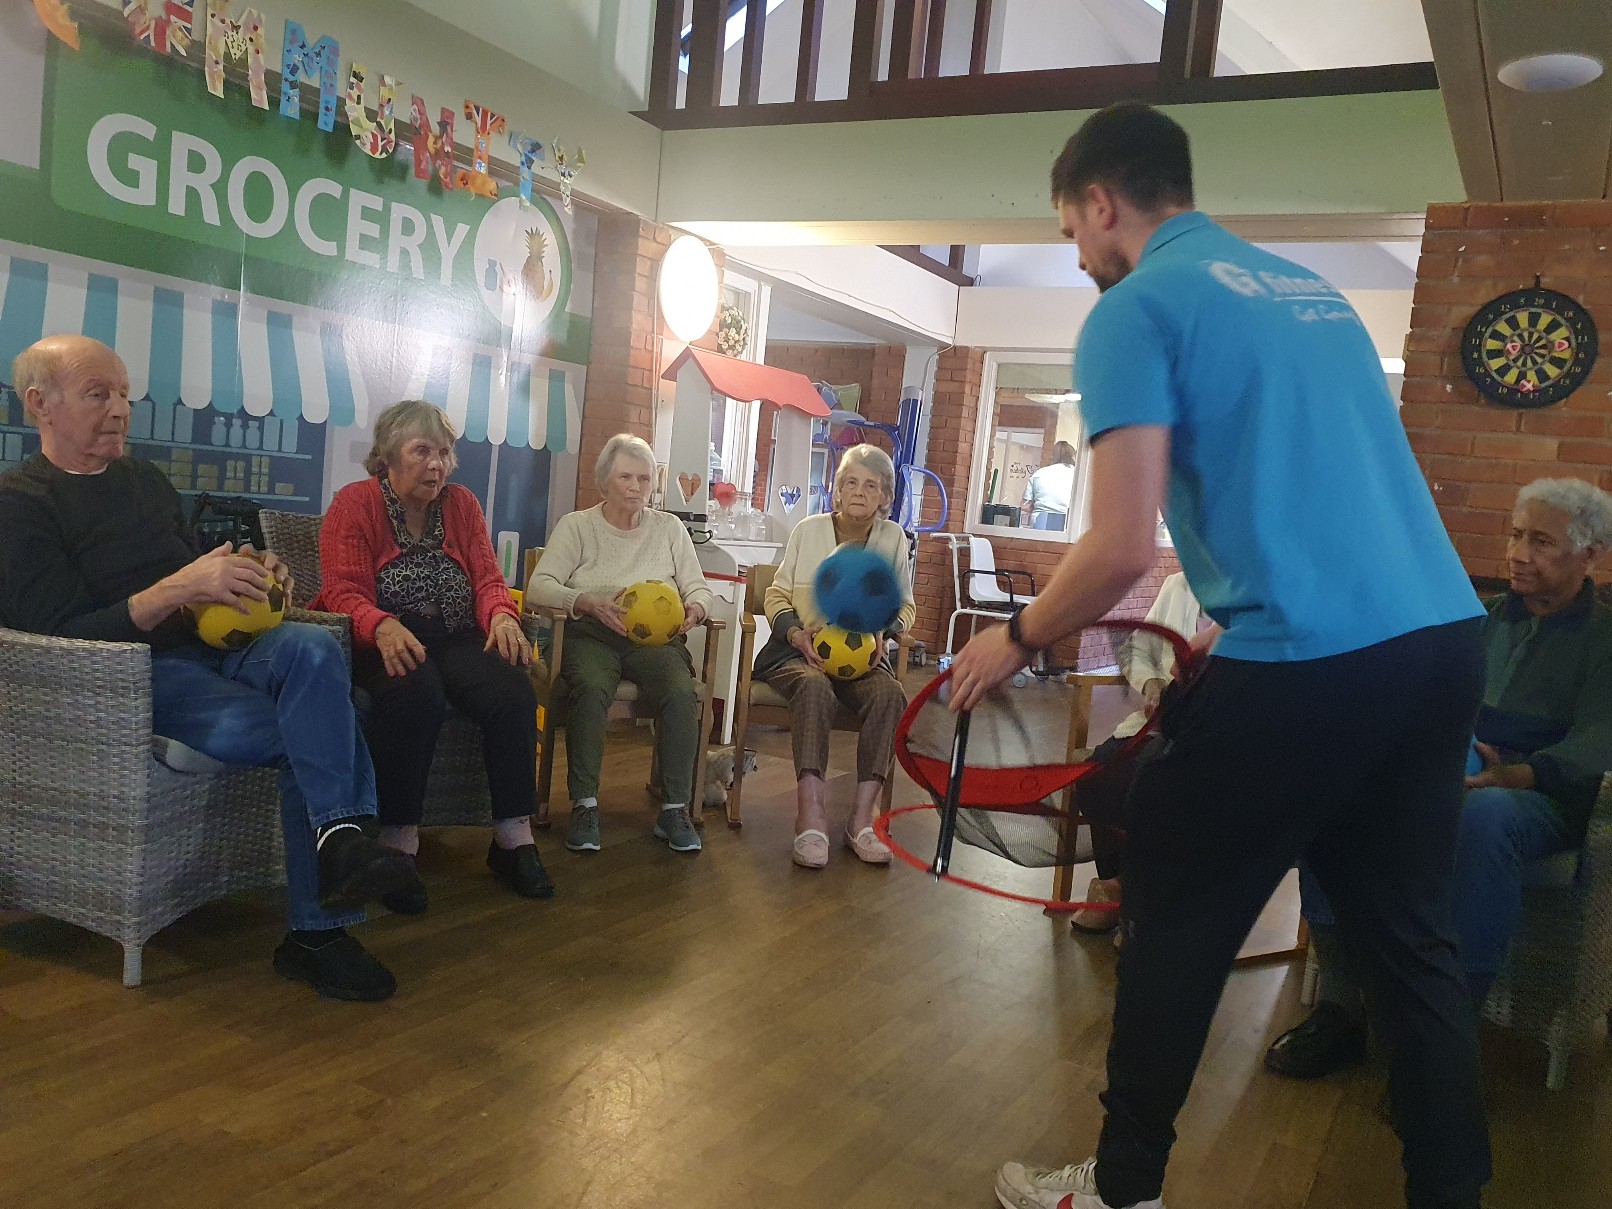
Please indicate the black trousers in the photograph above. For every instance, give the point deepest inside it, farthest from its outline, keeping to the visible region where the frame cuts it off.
(1357, 761)
(1103, 798)
(407, 711)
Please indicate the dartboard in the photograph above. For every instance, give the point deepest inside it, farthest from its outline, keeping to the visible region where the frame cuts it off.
(1529, 348)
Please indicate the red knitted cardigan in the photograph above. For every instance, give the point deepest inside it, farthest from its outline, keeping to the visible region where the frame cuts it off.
(356, 541)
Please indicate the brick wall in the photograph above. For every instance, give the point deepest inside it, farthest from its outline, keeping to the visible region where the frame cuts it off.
(876, 368)
(621, 389)
(952, 431)
(1477, 454)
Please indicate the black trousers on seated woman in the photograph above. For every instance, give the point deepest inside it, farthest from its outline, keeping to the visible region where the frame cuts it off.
(407, 711)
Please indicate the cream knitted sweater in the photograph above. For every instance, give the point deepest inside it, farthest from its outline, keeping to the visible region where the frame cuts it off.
(586, 553)
(811, 542)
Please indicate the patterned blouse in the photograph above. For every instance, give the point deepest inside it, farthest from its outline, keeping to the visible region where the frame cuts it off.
(423, 579)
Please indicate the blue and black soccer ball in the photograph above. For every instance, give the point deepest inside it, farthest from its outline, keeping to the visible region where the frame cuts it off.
(857, 590)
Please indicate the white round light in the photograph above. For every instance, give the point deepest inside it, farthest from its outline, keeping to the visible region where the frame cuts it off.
(1550, 73)
(688, 288)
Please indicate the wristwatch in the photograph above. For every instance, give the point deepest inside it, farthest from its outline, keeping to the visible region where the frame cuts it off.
(1015, 629)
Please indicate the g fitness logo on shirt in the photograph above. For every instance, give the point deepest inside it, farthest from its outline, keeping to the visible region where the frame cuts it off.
(1235, 278)
(1249, 284)
(1281, 288)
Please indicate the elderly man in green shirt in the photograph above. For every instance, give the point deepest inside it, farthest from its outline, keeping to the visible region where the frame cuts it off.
(1544, 738)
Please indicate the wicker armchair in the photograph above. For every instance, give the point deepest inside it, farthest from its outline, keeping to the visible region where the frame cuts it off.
(1557, 982)
(93, 829)
(456, 793)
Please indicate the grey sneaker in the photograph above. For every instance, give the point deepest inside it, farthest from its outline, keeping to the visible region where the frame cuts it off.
(583, 834)
(677, 829)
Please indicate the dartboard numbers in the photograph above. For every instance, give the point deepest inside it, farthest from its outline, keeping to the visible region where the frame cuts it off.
(1529, 348)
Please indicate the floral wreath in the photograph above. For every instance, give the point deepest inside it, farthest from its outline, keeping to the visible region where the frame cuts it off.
(733, 331)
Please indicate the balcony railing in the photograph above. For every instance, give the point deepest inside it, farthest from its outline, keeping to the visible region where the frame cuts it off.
(904, 81)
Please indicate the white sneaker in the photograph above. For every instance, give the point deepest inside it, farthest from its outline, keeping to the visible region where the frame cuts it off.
(1073, 1187)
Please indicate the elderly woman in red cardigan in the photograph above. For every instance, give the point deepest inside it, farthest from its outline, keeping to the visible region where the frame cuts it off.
(406, 554)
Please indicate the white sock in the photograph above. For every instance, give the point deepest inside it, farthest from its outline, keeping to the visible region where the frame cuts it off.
(404, 839)
(513, 833)
(585, 804)
(674, 806)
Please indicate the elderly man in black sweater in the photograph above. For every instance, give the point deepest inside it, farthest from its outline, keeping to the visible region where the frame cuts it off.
(93, 544)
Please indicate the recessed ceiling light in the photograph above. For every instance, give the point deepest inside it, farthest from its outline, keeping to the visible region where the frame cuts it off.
(1551, 73)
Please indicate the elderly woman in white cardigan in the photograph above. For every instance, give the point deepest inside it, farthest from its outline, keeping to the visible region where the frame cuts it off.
(592, 557)
(864, 487)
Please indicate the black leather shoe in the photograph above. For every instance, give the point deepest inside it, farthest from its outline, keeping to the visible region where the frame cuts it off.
(339, 968)
(354, 870)
(1330, 1040)
(408, 902)
(521, 870)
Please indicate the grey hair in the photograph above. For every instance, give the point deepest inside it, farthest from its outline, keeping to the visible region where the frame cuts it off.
(36, 368)
(622, 444)
(404, 421)
(875, 460)
(1588, 508)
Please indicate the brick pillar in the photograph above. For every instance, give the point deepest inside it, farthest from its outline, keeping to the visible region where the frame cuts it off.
(958, 376)
(1476, 454)
(620, 393)
(881, 401)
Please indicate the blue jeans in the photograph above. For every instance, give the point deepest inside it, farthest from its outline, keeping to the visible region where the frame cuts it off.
(284, 702)
(1501, 831)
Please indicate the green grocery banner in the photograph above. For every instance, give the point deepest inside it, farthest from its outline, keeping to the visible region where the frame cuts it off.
(272, 287)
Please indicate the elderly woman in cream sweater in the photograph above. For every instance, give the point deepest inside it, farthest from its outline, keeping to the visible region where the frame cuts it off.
(864, 487)
(592, 557)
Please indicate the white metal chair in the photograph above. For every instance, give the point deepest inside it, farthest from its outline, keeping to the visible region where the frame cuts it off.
(978, 589)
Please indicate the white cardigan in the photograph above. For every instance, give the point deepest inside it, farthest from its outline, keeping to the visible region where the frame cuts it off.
(811, 543)
(1145, 657)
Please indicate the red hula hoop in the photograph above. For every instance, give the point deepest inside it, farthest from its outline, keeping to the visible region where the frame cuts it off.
(1037, 781)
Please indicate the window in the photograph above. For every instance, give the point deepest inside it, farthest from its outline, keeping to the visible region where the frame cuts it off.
(1032, 446)
(741, 333)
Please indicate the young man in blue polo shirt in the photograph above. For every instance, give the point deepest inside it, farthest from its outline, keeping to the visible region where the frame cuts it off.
(1241, 393)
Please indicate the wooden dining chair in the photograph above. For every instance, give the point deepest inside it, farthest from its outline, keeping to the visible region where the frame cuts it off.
(541, 622)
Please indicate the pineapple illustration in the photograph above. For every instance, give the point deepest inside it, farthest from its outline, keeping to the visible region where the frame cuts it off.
(536, 274)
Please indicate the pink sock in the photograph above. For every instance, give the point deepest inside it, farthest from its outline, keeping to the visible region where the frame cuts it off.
(404, 839)
(513, 833)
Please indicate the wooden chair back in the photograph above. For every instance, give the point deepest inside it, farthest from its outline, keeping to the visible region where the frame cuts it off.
(756, 585)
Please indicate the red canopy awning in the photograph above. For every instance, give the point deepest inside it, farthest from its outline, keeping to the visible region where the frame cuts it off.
(747, 381)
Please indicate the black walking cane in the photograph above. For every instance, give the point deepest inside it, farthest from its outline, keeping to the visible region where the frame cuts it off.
(954, 793)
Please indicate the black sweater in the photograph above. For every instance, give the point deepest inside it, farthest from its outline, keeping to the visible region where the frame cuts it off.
(75, 547)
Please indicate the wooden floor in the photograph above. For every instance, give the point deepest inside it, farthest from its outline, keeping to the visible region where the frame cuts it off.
(681, 1032)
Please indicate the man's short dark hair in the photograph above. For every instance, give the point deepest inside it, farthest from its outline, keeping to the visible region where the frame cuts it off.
(1134, 150)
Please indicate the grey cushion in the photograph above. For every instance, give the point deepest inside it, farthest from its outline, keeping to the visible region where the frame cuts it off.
(180, 758)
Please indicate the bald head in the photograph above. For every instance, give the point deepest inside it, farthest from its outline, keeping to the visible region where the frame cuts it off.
(39, 367)
(77, 391)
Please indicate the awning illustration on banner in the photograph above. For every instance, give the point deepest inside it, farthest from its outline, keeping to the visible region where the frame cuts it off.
(194, 344)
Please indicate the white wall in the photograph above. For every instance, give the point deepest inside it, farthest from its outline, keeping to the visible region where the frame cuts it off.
(904, 299)
(1027, 319)
(601, 47)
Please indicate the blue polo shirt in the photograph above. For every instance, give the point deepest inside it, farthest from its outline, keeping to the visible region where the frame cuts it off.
(1300, 516)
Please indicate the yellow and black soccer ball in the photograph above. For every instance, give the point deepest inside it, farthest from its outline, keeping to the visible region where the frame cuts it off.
(846, 654)
(227, 628)
(654, 612)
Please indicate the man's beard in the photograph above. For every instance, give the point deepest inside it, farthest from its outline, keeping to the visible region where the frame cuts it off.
(1109, 276)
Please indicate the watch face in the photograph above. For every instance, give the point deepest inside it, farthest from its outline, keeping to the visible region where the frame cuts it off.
(1529, 348)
